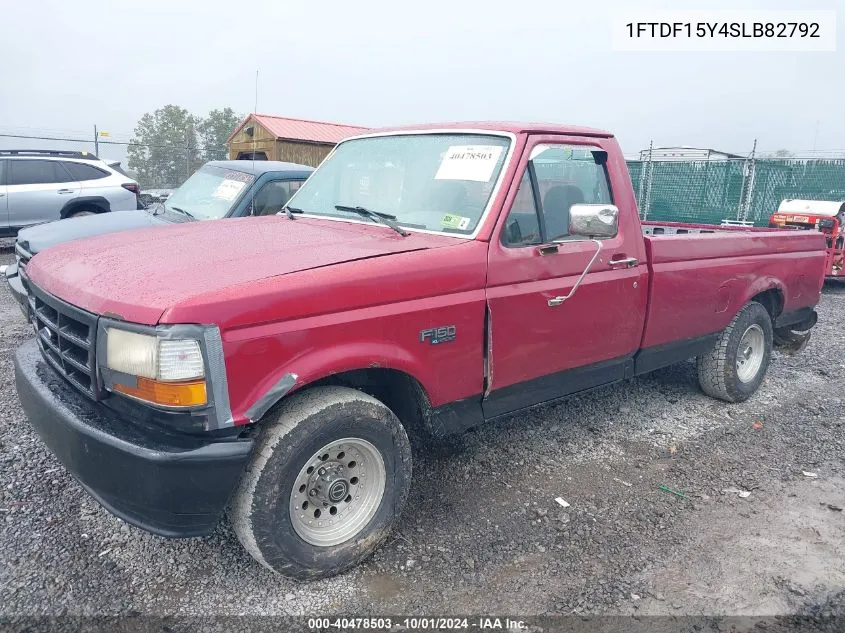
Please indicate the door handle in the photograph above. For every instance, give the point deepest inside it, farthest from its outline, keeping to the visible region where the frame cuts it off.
(627, 262)
(65, 191)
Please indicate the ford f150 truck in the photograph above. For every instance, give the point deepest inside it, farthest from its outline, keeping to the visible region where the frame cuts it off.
(422, 279)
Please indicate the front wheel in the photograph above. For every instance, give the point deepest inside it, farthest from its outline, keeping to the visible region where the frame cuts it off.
(734, 369)
(330, 474)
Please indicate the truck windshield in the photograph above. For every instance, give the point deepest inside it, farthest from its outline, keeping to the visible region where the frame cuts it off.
(210, 193)
(438, 182)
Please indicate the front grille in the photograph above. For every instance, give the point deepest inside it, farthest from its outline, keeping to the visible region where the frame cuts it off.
(23, 256)
(66, 336)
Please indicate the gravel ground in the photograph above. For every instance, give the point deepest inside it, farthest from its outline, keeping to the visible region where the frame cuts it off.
(482, 532)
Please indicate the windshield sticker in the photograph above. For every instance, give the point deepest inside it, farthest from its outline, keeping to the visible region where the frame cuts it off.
(455, 222)
(228, 189)
(469, 162)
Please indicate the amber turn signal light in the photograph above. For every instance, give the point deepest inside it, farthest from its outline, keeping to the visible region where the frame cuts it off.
(185, 393)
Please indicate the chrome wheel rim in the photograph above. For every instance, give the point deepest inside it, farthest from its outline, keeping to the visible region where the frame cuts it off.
(337, 492)
(749, 355)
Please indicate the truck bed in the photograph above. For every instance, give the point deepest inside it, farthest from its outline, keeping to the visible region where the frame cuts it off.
(701, 275)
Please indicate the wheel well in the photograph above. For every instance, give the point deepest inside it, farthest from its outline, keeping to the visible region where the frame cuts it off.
(401, 392)
(772, 300)
(100, 205)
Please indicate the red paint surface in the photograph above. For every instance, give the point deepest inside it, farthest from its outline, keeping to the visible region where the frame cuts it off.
(316, 297)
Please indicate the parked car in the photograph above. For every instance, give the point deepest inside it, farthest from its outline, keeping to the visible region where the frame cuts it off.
(219, 189)
(44, 185)
(424, 279)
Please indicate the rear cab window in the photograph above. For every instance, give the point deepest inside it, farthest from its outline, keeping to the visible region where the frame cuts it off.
(557, 176)
(437, 182)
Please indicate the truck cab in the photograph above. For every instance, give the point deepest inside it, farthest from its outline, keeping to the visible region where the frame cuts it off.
(422, 281)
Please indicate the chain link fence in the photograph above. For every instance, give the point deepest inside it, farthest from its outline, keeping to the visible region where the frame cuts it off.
(709, 191)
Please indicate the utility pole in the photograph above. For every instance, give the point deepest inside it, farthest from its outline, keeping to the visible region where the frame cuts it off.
(96, 142)
(187, 153)
(816, 135)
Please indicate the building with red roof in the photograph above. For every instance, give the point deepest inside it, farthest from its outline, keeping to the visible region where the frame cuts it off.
(269, 137)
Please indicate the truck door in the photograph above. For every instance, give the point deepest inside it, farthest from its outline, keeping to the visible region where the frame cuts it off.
(537, 350)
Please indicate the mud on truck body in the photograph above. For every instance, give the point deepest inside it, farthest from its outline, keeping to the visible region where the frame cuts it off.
(422, 281)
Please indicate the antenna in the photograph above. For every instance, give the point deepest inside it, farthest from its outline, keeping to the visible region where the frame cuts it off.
(254, 114)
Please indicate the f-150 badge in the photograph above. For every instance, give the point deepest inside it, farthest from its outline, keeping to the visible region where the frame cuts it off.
(437, 335)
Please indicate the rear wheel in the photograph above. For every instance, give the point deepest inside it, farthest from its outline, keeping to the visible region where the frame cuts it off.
(330, 474)
(734, 369)
(81, 213)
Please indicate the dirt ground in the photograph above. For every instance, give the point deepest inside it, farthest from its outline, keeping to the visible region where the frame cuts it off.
(482, 532)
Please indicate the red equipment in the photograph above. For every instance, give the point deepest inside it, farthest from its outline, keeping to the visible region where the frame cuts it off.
(820, 215)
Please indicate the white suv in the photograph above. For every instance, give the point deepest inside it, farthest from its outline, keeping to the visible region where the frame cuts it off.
(42, 185)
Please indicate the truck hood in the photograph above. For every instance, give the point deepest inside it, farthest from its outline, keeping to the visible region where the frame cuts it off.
(36, 238)
(137, 275)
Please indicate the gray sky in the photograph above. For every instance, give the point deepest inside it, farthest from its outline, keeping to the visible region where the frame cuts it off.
(69, 65)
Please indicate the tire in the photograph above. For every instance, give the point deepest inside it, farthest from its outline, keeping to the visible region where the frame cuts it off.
(731, 372)
(267, 512)
(81, 213)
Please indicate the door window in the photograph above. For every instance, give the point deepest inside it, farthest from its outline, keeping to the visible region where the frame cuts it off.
(84, 172)
(273, 196)
(557, 176)
(37, 172)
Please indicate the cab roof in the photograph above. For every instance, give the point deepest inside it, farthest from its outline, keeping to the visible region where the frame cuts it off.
(258, 167)
(501, 126)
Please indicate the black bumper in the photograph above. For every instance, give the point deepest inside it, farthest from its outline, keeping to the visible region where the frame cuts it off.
(173, 485)
(17, 289)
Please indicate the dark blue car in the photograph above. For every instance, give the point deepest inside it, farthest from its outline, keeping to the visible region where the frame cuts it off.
(219, 189)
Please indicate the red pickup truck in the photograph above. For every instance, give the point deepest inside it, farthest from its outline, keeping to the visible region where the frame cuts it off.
(422, 280)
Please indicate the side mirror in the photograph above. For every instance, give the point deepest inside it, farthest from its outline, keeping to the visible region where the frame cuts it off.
(593, 220)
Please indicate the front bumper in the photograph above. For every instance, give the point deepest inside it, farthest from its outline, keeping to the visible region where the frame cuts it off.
(171, 484)
(17, 288)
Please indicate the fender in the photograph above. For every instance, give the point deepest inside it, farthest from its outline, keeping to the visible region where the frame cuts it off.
(96, 202)
(763, 284)
(317, 364)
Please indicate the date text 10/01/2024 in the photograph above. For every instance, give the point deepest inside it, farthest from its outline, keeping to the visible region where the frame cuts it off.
(723, 29)
(417, 623)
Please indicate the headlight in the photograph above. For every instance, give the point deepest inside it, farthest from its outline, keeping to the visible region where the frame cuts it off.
(153, 357)
(168, 372)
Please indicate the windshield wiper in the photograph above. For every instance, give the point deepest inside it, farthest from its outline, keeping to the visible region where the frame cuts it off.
(183, 212)
(291, 210)
(375, 216)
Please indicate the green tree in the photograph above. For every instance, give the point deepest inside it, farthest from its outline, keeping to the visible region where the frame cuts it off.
(781, 153)
(214, 131)
(164, 149)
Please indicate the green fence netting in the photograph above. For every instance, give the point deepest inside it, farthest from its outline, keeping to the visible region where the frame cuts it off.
(711, 191)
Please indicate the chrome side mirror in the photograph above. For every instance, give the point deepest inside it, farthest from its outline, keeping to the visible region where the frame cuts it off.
(593, 220)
